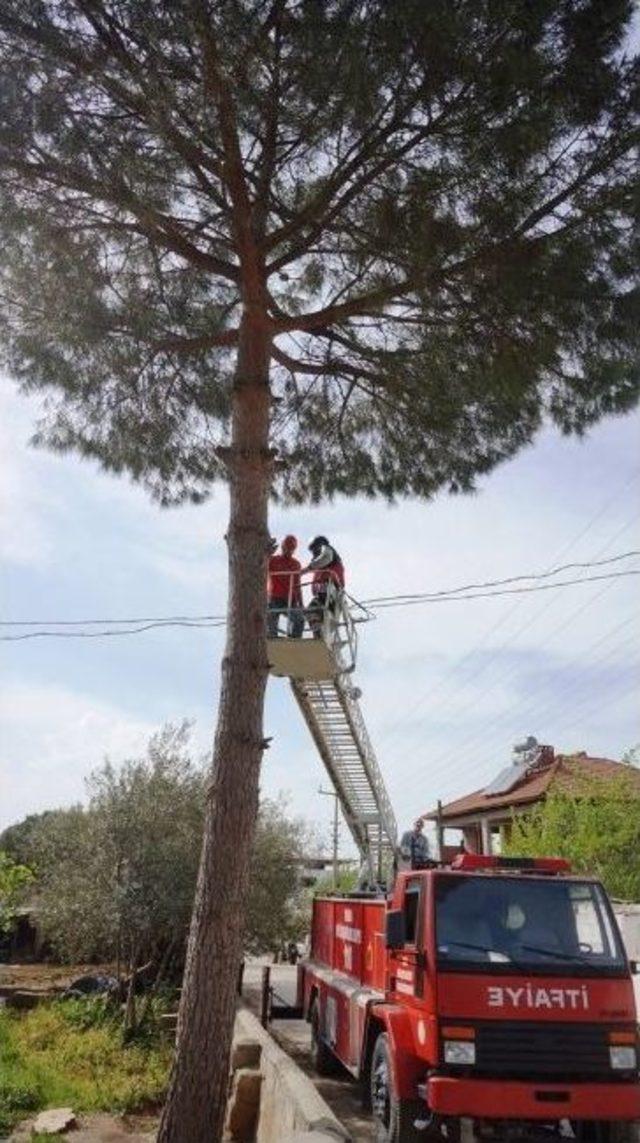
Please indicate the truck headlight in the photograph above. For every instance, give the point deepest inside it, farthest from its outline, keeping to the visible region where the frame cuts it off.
(622, 1058)
(459, 1052)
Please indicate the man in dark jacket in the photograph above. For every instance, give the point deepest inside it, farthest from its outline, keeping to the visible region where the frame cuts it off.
(414, 847)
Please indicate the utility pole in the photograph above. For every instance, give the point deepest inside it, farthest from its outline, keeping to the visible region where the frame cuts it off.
(336, 831)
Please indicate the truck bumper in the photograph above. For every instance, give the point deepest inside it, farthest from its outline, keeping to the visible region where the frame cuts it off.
(492, 1099)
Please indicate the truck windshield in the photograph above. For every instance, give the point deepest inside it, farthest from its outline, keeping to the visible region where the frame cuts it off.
(525, 922)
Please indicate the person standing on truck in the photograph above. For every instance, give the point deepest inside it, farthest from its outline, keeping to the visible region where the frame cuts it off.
(284, 593)
(328, 579)
(414, 847)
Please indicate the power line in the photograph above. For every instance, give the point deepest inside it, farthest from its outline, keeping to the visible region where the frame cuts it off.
(201, 622)
(197, 621)
(606, 706)
(454, 695)
(105, 634)
(531, 710)
(401, 602)
(506, 616)
(381, 602)
(156, 619)
(382, 599)
(450, 762)
(504, 677)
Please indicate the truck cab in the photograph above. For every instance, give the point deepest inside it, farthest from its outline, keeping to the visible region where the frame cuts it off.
(492, 996)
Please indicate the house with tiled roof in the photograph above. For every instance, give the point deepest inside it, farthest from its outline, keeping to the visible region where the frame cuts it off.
(484, 816)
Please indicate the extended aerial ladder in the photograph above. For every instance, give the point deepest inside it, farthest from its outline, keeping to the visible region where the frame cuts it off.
(320, 670)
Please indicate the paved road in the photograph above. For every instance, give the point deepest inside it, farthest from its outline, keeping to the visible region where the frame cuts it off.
(341, 1093)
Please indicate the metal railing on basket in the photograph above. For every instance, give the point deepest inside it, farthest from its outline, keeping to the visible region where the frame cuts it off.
(327, 615)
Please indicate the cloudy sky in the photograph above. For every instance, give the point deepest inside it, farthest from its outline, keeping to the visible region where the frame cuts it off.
(447, 688)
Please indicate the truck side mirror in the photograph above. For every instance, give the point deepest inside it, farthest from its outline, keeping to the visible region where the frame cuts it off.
(396, 935)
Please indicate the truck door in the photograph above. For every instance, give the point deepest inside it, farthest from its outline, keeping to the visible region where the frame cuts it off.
(408, 963)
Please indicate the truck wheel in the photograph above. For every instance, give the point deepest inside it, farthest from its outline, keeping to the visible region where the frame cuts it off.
(393, 1118)
(322, 1058)
(623, 1132)
(593, 1131)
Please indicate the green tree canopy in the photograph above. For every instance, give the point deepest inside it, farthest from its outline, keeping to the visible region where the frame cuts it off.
(116, 879)
(18, 840)
(596, 826)
(277, 908)
(14, 881)
(437, 199)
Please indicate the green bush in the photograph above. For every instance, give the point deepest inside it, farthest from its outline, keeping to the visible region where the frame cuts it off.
(595, 824)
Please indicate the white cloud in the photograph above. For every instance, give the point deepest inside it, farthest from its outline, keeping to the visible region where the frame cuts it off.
(52, 738)
(56, 509)
(26, 499)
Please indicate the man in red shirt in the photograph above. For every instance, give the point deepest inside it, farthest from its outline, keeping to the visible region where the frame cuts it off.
(284, 594)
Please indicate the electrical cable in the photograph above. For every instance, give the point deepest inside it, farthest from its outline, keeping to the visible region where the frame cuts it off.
(202, 622)
(506, 616)
(381, 599)
(504, 591)
(104, 634)
(380, 602)
(502, 678)
(196, 622)
(159, 619)
(633, 684)
(532, 711)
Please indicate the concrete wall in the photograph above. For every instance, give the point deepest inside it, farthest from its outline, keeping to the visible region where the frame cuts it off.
(629, 920)
(290, 1106)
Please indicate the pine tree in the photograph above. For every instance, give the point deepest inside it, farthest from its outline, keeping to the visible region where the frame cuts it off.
(309, 248)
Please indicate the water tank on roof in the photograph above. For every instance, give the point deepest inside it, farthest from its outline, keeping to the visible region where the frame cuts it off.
(530, 744)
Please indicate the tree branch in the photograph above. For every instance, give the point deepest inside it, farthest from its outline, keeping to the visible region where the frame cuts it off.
(145, 108)
(154, 223)
(233, 167)
(267, 163)
(323, 369)
(177, 344)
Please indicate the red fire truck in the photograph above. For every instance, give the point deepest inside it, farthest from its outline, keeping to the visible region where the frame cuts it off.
(491, 998)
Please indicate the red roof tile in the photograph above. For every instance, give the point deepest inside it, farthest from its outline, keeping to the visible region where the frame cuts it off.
(566, 771)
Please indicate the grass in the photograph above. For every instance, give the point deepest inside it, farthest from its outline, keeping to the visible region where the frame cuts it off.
(70, 1053)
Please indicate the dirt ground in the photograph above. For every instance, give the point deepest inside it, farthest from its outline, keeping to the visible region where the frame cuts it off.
(47, 977)
(100, 1128)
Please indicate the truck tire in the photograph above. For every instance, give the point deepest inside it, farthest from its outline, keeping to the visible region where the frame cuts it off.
(322, 1058)
(623, 1132)
(592, 1131)
(393, 1118)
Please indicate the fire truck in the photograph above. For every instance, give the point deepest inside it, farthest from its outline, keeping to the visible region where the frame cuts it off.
(490, 998)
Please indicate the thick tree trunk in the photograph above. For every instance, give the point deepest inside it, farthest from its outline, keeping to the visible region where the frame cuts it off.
(195, 1107)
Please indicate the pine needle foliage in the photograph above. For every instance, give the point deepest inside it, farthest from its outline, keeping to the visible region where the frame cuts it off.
(438, 201)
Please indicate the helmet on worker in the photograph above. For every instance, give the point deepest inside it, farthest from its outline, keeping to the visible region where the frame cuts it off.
(317, 544)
